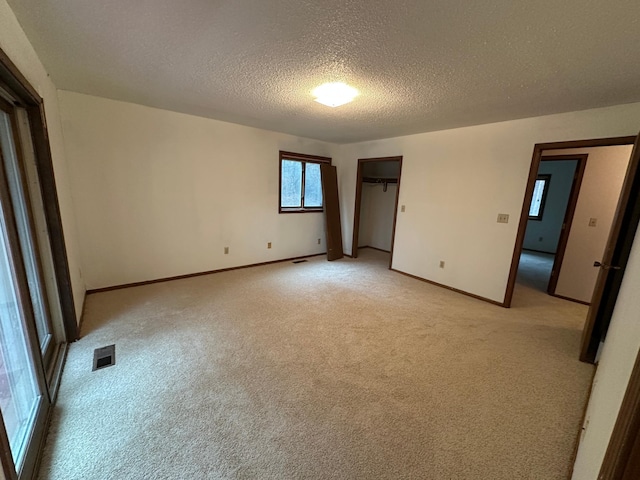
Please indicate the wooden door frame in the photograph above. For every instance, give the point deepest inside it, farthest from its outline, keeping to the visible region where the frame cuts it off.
(622, 458)
(528, 195)
(574, 193)
(12, 80)
(358, 203)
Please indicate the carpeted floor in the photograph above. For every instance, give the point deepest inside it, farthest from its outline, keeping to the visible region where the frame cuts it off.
(534, 269)
(319, 370)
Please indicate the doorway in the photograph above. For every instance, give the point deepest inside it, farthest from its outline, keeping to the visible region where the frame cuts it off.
(376, 207)
(605, 250)
(551, 212)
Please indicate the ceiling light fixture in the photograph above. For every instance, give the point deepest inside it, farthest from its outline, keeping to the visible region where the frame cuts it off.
(334, 94)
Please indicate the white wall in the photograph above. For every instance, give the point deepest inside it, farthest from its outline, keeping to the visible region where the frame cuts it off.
(376, 215)
(543, 235)
(15, 44)
(614, 370)
(454, 184)
(599, 194)
(160, 194)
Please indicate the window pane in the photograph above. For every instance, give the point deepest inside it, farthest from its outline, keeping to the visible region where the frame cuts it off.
(25, 235)
(291, 193)
(312, 185)
(19, 393)
(536, 201)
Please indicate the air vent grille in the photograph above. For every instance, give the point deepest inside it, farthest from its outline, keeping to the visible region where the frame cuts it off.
(104, 357)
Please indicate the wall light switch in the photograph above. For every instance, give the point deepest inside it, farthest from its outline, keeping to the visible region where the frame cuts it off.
(402, 208)
(269, 245)
(441, 263)
(593, 222)
(503, 218)
(318, 241)
(226, 250)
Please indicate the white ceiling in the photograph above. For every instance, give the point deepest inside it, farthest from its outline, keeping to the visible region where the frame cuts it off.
(420, 65)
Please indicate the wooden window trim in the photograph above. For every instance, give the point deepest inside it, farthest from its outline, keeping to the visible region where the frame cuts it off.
(24, 95)
(547, 178)
(300, 157)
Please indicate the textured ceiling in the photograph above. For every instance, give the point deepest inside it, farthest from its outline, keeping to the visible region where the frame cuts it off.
(420, 65)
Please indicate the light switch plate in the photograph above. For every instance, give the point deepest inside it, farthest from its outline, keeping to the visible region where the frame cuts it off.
(503, 218)
(402, 208)
(593, 222)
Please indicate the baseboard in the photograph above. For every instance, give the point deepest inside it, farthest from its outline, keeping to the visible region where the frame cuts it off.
(472, 295)
(198, 274)
(538, 251)
(375, 248)
(570, 299)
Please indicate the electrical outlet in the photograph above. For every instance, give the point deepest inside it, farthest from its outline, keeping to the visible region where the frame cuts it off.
(226, 250)
(402, 208)
(319, 241)
(441, 263)
(269, 245)
(503, 218)
(593, 222)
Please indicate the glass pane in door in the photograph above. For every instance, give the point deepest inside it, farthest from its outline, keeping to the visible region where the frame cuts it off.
(27, 241)
(19, 392)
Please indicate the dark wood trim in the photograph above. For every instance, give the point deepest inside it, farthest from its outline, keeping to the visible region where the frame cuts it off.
(356, 213)
(543, 201)
(304, 158)
(567, 221)
(621, 237)
(395, 214)
(197, 274)
(570, 299)
(588, 143)
(537, 251)
(522, 226)
(376, 248)
(40, 136)
(6, 459)
(358, 203)
(431, 282)
(533, 171)
(618, 459)
(26, 96)
(301, 210)
(16, 82)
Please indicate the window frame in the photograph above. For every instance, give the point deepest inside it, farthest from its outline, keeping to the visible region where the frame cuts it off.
(543, 200)
(303, 159)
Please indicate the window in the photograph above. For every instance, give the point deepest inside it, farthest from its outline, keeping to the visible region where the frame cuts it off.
(539, 197)
(300, 182)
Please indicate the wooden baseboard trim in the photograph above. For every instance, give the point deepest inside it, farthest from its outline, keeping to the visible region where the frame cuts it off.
(538, 251)
(570, 299)
(198, 274)
(472, 295)
(376, 248)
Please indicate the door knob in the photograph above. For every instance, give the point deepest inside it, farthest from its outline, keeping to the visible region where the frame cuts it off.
(605, 266)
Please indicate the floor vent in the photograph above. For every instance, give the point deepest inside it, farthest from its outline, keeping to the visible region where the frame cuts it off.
(299, 261)
(104, 357)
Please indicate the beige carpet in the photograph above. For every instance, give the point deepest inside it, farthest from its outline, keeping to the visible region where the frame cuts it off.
(341, 370)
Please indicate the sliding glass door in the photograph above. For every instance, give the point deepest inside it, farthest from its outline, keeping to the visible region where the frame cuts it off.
(21, 394)
(26, 335)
